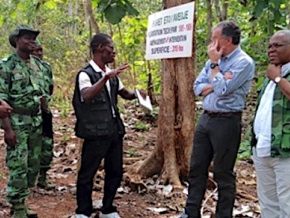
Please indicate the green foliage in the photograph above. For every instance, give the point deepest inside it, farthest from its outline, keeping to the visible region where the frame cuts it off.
(115, 10)
(141, 126)
(2, 176)
(245, 150)
(64, 139)
(131, 152)
(65, 35)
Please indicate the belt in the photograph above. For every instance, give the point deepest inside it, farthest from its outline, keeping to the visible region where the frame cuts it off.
(24, 111)
(222, 114)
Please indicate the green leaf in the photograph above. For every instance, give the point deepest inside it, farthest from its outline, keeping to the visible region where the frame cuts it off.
(51, 4)
(21, 7)
(114, 13)
(13, 14)
(130, 9)
(102, 5)
(259, 8)
(1, 19)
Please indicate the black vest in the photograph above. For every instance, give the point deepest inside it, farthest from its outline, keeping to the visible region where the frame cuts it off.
(95, 118)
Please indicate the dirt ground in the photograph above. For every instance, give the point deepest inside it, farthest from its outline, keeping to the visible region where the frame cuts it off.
(156, 200)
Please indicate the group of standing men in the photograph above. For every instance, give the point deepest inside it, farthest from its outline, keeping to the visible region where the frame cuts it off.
(25, 90)
(26, 87)
(224, 84)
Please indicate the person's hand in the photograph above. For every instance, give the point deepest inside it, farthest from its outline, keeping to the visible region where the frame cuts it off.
(213, 53)
(228, 75)
(116, 71)
(43, 103)
(273, 71)
(10, 138)
(5, 109)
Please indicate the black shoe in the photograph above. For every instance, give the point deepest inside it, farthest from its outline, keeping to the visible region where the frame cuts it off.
(45, 185)
(29, 213)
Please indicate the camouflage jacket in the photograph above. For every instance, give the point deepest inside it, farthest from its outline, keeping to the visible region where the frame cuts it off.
(280, 138)
(48, 78)
(22, 85)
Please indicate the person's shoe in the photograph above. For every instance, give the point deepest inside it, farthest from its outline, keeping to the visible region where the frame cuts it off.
(29, 213)
(80, 216)
(183, 215)
(21, 213)
(109, 215)
(45, 185)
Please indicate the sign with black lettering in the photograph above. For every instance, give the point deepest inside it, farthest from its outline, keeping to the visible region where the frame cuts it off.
(169, 33)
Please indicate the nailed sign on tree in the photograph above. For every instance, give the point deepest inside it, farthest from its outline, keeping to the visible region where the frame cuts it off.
(169, 33)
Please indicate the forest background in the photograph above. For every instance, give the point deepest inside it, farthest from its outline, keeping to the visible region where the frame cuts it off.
(67, 25)
(66, 28)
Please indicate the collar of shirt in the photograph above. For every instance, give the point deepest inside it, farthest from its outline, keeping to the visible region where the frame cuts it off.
(97, 68)
(232, 54)
(285, 69)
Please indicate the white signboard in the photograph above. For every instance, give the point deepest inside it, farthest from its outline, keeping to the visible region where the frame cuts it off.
(169, 33)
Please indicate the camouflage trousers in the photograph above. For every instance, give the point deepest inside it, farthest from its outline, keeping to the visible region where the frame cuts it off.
(46, 153)
(23, 162)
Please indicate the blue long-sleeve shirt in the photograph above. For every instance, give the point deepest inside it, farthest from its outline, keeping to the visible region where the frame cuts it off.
(228, 95)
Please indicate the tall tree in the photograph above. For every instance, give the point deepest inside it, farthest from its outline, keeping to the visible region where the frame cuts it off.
(93, 21)
(170, 158)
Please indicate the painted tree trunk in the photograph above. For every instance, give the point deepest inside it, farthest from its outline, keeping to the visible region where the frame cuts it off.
(170, 158)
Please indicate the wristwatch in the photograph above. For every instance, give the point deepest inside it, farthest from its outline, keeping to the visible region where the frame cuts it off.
(277, 79)
(213, 65)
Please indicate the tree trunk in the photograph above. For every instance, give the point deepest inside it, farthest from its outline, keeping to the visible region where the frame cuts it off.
(209, 19)
(222, 13)
(170, 158)
(150, 89)
(92, 17)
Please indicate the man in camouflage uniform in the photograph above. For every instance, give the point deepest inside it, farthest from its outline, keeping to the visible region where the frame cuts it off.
(21, 85)
(47, 139)
(271, 131)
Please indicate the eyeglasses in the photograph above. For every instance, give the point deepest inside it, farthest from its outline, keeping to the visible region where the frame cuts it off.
(110, 47)
(277, 45)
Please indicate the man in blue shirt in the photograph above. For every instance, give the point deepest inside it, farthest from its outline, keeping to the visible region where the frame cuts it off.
(224, 84)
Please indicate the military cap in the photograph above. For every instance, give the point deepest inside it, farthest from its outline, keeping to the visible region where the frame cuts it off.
(17, 32)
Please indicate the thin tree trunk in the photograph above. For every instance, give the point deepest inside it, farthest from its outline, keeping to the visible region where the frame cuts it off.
(150, 89)
(222, 13)
(225, 9)
(209, 19)
(92, 17)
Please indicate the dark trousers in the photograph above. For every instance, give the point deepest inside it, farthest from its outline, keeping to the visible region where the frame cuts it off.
(216, 138)
(93, 152)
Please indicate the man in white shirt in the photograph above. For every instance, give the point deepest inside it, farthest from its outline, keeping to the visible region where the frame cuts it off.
(100, 125)
(271, 131)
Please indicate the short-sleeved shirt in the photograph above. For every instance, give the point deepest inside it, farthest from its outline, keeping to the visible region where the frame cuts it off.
(84, 80)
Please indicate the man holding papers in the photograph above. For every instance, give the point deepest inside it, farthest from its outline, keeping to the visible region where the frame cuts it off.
(100, 125)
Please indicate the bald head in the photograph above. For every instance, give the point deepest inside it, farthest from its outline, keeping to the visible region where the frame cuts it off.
(279, 48)
(285, 33)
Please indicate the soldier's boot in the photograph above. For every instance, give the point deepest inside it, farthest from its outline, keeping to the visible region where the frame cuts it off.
(30, 213)
(42, 181)
(17, 211)
(21, 213)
